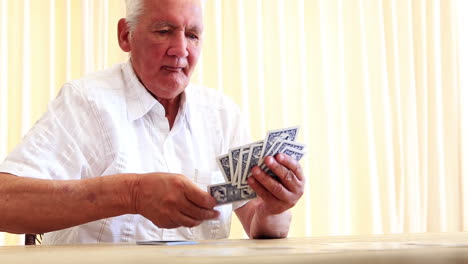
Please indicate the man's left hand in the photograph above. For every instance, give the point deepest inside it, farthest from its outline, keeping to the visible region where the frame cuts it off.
(278, 195)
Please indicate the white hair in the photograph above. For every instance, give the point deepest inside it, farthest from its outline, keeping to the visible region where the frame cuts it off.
(134, 11)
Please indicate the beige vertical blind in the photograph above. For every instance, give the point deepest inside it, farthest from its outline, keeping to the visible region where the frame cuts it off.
(376, 86)
(462, 8)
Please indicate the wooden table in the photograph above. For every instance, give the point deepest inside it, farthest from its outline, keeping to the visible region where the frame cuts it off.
(401, 249)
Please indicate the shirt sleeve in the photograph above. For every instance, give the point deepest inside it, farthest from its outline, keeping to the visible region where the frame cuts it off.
(58, 146)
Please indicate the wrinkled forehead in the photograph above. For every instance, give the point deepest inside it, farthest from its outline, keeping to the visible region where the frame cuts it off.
(188, 13)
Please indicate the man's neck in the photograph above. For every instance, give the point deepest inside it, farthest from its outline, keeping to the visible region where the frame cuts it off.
(171, 106)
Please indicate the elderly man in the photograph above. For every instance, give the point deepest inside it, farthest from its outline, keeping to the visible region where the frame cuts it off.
(126, 154)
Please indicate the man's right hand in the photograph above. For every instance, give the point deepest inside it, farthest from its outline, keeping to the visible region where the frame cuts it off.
(38, 206)
(171, 200)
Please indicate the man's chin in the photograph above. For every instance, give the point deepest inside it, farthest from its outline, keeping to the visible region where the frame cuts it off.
(168, 93)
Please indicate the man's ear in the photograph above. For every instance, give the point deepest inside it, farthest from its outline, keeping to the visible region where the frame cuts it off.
(123, 33)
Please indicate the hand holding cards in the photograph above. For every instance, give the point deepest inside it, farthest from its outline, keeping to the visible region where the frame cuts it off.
(236, 166)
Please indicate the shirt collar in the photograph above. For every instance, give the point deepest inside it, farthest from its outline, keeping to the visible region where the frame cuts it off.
(140, 101)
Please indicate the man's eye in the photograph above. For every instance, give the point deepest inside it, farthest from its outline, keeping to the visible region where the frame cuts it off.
(163, 32)
(192, 36)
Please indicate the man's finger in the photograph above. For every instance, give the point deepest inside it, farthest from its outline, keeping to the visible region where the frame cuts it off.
(262, 192)
(285, 175)
(183, 220)
(272, 186)
(197, 213)
(198, 197)
(290, 164)
(274, 205)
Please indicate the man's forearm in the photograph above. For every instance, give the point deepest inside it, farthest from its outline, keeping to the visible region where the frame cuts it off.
(260, 224)
(270, 226)
(37, 206)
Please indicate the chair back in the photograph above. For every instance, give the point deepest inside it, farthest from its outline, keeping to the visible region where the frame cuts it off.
(30, 239)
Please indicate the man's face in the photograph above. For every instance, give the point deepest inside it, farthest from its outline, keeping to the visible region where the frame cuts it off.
(165, 45)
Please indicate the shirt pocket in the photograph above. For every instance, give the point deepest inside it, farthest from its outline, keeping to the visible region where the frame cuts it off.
(216, 228)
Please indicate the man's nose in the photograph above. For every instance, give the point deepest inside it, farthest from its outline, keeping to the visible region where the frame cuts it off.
(178, 46)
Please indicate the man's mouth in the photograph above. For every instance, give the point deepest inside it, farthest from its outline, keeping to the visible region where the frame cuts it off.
(172, 69)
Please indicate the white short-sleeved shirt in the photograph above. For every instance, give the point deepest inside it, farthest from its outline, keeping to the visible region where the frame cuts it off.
(108, 123)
